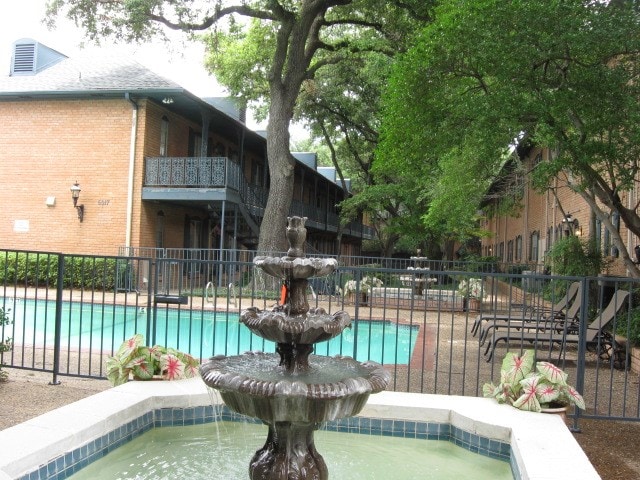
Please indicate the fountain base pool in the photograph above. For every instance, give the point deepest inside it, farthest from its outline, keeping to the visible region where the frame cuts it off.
(220, 452)
(70, 437)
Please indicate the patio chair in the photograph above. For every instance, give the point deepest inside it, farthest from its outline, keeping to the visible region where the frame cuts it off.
(535, 314)
(596, 337)
(557, 320)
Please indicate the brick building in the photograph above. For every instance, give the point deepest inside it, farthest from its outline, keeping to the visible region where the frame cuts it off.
(527, 232)
(157, 167)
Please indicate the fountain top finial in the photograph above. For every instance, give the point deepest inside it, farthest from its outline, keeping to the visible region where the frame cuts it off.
(296, 235)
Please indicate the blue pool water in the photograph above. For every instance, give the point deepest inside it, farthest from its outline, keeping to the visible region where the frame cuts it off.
(202, 333)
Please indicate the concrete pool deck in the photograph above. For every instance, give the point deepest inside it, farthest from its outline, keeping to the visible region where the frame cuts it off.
(541, 445)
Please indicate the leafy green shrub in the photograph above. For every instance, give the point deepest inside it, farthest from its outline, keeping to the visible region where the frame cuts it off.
(574, 257)
(630, 329)
(475, 263)
(517, 269)
(32, 269)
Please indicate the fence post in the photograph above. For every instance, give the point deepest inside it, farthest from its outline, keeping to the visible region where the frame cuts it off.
(58, 320)
(582, 347)
(151, 320)
(152, 284)
(357, 276)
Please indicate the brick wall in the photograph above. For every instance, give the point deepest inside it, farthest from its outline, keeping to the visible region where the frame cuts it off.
(46, 146)
(542, 211)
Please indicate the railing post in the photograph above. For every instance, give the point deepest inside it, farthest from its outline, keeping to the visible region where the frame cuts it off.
(151, 319)
(356, 311)
(582, 347)
(58, 320)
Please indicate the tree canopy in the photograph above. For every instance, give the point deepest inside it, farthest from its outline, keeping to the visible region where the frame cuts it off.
(560, 73)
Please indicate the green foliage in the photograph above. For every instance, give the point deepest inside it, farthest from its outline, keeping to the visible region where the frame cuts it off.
(477, 263)
(573, 257)
(7, 344)
(630, 329)
(241, 58)
(489, 71)
(134, 359)
(532, 386)
(29, 269)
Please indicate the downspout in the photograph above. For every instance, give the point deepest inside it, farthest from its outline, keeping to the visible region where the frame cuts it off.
(132, 163)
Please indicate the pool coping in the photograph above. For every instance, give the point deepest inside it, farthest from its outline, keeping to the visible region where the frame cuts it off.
(541, 445)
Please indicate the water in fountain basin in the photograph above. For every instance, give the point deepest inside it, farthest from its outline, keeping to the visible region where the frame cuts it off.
(322, 369)
(200, 452)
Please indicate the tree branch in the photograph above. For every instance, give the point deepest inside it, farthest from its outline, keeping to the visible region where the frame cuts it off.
(209, 21)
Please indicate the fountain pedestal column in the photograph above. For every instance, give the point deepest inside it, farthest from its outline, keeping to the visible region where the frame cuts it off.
(288, 454)
(288, 394)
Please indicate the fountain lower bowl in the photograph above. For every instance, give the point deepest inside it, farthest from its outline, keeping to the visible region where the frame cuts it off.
(253, 384)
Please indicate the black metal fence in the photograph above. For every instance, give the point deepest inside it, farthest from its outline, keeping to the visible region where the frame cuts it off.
(441, 331)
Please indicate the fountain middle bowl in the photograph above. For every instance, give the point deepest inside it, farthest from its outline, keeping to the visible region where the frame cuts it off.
(253, 384)
(310, 328)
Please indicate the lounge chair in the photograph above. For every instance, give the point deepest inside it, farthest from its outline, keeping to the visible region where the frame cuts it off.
(568, 306)
(595, 336)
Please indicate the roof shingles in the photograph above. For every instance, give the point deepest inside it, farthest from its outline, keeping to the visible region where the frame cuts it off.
(88, 74)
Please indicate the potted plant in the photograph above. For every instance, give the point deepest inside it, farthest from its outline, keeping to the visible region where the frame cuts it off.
(472, 292)
(364, 287)
(135, 360)
(533, 386)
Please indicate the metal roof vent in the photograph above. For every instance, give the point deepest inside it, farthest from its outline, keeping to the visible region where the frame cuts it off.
(30, 57)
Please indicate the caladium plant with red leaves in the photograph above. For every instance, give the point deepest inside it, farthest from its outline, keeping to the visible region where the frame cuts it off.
(134, 359)
(532, 389)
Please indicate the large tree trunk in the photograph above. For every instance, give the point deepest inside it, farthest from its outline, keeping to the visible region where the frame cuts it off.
(281, 171)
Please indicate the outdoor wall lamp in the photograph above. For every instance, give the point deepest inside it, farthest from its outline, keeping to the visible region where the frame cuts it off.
(571, 225)
(75, 194)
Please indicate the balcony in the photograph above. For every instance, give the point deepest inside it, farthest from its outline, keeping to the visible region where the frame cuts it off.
(211, 179)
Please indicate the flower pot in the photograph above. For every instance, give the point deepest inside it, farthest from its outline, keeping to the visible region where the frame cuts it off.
(361, 300)
(474, 304)
(138, 379)
(471, 304)
(562, 411)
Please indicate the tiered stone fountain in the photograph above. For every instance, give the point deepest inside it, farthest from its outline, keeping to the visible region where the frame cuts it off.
(292, 391)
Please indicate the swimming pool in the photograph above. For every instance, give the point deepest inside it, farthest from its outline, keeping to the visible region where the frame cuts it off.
(202, 333)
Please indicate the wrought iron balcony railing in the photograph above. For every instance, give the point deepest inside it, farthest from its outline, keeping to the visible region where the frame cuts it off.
(221, 172)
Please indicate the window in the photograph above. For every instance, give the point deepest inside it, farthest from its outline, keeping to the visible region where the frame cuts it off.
(257, 172)
(501, 250)
(605, 244)
(164, 136)
(195, 145)
(533, 246)
(160, 230)
(510, 251)
(518, 248)
(537, 160)
(615, 219)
